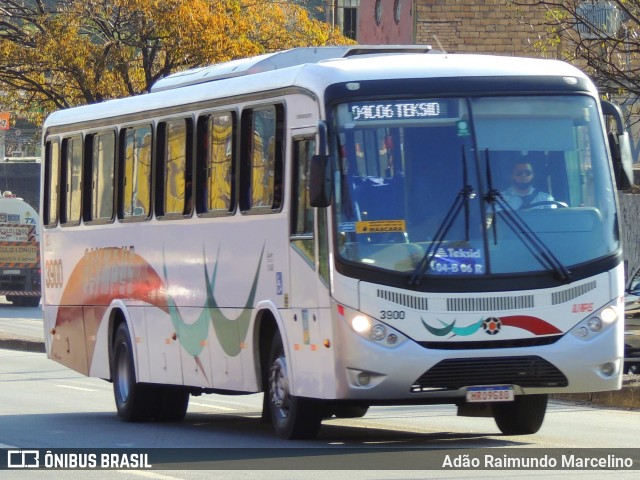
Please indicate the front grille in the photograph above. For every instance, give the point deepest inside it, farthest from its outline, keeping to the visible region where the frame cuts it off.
(491, 344)
(455, 373)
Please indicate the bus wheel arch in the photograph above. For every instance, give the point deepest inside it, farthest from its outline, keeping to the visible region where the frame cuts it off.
(139, 402)
(292, 417)
(116, 317)
(131, 397)
(266, 326)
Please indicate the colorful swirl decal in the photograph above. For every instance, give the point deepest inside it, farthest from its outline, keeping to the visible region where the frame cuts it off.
(492, 325)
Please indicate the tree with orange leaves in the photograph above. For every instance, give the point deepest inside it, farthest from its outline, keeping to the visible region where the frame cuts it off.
(58, 54)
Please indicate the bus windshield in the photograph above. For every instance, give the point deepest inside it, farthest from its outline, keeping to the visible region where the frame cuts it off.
(473, 186)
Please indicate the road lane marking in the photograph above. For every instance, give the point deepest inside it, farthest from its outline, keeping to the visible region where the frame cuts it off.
(77, 388)
(148, 474)
(215, 407)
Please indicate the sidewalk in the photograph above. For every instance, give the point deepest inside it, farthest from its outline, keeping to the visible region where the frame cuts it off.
(628, 397)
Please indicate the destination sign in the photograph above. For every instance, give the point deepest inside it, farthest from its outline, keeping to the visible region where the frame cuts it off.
(401, 110)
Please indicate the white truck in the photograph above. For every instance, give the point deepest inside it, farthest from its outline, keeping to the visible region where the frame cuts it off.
(19, 251)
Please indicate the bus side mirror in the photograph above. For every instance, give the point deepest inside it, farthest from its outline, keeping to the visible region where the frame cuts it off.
(320, 181)
(619, 147)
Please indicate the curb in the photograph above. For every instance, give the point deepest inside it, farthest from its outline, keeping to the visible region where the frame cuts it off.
(22, 344)
(628, 397)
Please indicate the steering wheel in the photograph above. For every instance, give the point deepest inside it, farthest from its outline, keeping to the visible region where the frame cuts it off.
(546, 202)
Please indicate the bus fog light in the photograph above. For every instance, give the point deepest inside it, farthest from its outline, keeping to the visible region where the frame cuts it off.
(583, 331)
(595, 324)
(378, 332)
(392, 339)
(607, 369)
(360, 323)
(363, 379)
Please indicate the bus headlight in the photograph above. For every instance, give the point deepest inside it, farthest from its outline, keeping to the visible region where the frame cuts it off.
(378, 332)
(360, 324)
(370, 328)
(596, 323)
(609, 314)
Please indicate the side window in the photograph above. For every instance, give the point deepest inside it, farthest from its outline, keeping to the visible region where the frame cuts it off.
(51, 183)
(135, 197)
(262, 133)
(72, 180)
(218, 163)
(302, 227)
(103, 146)
(175, 177)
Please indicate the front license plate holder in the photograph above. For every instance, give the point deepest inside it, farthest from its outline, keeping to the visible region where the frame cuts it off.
(490, 393)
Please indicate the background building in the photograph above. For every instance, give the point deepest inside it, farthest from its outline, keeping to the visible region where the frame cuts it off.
(457, 26)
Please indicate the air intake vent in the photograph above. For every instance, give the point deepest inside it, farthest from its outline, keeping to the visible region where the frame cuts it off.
(490, 304)
(571, 293)
(455, 373)
(410, 301)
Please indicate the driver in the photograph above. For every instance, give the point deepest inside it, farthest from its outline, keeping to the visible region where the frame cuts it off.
(522, 194)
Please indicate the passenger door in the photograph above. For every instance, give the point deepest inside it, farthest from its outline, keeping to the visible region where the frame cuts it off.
(304, 332)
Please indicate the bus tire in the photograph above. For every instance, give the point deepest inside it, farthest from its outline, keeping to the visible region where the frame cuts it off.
(132, 398)
(292, 417)
(523, 416)
(351, 411)
(170, 403)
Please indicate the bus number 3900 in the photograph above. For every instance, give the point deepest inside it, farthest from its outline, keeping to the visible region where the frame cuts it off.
(391, 314)
(53, 273)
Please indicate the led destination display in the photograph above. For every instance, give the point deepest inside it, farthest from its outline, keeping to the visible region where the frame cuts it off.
(403, 110)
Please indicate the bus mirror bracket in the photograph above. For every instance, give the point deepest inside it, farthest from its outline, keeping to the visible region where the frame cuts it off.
(619, 147)
(320, 174)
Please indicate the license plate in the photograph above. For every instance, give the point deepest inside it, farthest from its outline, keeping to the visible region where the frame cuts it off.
(493, 393)
(11, 272)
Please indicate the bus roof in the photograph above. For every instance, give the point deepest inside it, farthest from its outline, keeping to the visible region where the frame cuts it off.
(277, 61)
(315, 77)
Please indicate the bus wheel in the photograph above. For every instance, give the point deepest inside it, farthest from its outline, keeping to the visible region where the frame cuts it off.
(292, 417)
(351, 411)
(170, 403)
(132, 398)
(523, 416)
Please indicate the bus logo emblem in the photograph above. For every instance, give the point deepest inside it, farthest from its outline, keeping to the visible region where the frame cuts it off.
(492, 325)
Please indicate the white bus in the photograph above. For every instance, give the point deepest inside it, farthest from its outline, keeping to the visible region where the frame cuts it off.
(334, 227)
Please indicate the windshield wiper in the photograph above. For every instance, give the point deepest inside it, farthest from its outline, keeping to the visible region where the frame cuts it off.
(534, 244)
(461, 200)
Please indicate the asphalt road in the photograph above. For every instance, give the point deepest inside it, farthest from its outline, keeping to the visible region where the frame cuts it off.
(45, 405)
